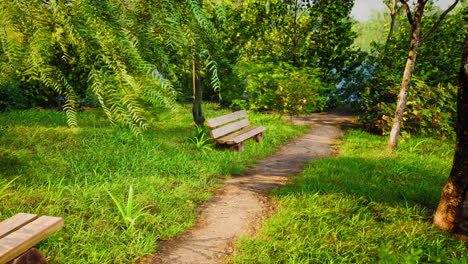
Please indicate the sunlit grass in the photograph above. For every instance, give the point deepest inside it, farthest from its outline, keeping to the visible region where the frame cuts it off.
(365, 206)
(70, 172)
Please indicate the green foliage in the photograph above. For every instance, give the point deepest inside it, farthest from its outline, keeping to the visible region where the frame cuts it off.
(431, 107)
(125, 54)
(429, 110)
(372, 31)
(365, 206)
(128, 211)
(201, 140)
(3, 192)
(11, 96)
(134, 53)
(192, 39)
(67, 172)
(283, 88)
(314, 34)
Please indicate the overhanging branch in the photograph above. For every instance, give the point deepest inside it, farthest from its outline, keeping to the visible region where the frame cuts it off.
(436, 24)
(408, 13)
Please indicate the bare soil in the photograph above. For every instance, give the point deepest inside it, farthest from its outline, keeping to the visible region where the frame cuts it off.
(242, 203)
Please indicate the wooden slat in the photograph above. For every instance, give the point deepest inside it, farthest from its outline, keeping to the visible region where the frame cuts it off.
(244, 130)
(27, 236)
(15, 222)
(245, 136)
(217, 121)
(218, 132)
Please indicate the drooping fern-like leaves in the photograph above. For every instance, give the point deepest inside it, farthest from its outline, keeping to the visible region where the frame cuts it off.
(56, 41)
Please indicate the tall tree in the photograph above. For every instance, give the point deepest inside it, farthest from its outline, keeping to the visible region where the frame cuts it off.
(417, 40)
(195, 41)
(452, 212)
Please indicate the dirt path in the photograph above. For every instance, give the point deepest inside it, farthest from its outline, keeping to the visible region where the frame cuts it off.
(242, 202)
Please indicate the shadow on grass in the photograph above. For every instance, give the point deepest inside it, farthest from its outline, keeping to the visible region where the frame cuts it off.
(384, 180)
(10, 164)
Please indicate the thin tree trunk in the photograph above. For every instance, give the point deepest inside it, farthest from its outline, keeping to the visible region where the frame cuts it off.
(402, 97)
(405, 84)
(295, 35)
(197, 111)
(416, 41)
(409, 68)
(452, 212)
(393, 16)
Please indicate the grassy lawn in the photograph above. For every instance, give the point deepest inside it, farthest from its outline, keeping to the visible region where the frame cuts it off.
(364, 206)
(74, 173)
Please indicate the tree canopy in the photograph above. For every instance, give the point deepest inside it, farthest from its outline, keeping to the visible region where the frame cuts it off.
(124, 56)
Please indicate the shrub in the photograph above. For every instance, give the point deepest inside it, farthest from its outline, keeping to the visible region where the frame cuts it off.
(429, 111)
(11, 96)
(282, 88)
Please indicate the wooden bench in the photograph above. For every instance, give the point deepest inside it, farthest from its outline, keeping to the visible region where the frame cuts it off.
(19, 233)
(233, 129)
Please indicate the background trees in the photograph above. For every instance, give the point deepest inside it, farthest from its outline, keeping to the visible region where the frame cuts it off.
(126, 55)
(310, 39)
(431, 106)
(417, 39)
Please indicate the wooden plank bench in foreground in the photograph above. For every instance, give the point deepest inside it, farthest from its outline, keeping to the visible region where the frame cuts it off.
(19, 233)
(233, 129)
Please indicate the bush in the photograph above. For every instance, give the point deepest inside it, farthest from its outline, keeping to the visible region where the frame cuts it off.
(429, 111)
(282, 88)
(11, 96)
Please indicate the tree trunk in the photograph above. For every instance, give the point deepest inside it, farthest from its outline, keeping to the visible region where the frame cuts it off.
(409, 68)
(416, 41)
(402, 97)
(393, 15)
(452, 212)
(197, 111)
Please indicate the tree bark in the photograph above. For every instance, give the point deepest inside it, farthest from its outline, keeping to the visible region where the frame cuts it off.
(452, 212)
(416, 41)
(409, 68)
(403, 96)
(197, 84)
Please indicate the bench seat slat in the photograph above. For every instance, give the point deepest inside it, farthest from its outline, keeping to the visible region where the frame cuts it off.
(244, 130)
(217, 121)
(11, 224)
(218, 132)
(27, 236)
(237, 138)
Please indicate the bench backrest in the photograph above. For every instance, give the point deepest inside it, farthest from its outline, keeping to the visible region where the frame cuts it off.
(22, 231)
(223, 129)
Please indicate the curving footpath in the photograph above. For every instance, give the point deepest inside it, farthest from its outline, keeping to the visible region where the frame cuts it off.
(242, 202)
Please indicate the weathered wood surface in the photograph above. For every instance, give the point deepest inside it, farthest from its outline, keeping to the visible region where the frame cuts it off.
(221, 120)
(233, 134)
(26, 236)
(241, 135)
(258, 137)
(239, 147)
(223, 140)
(218, 132)
(245, 136)
(15, 222)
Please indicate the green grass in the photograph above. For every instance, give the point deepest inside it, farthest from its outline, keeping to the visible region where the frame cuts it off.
(365, 206)
(85, 175)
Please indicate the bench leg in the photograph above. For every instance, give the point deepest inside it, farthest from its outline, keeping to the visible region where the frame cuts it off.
(32, 256)
(239, 147)
(258, 137)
